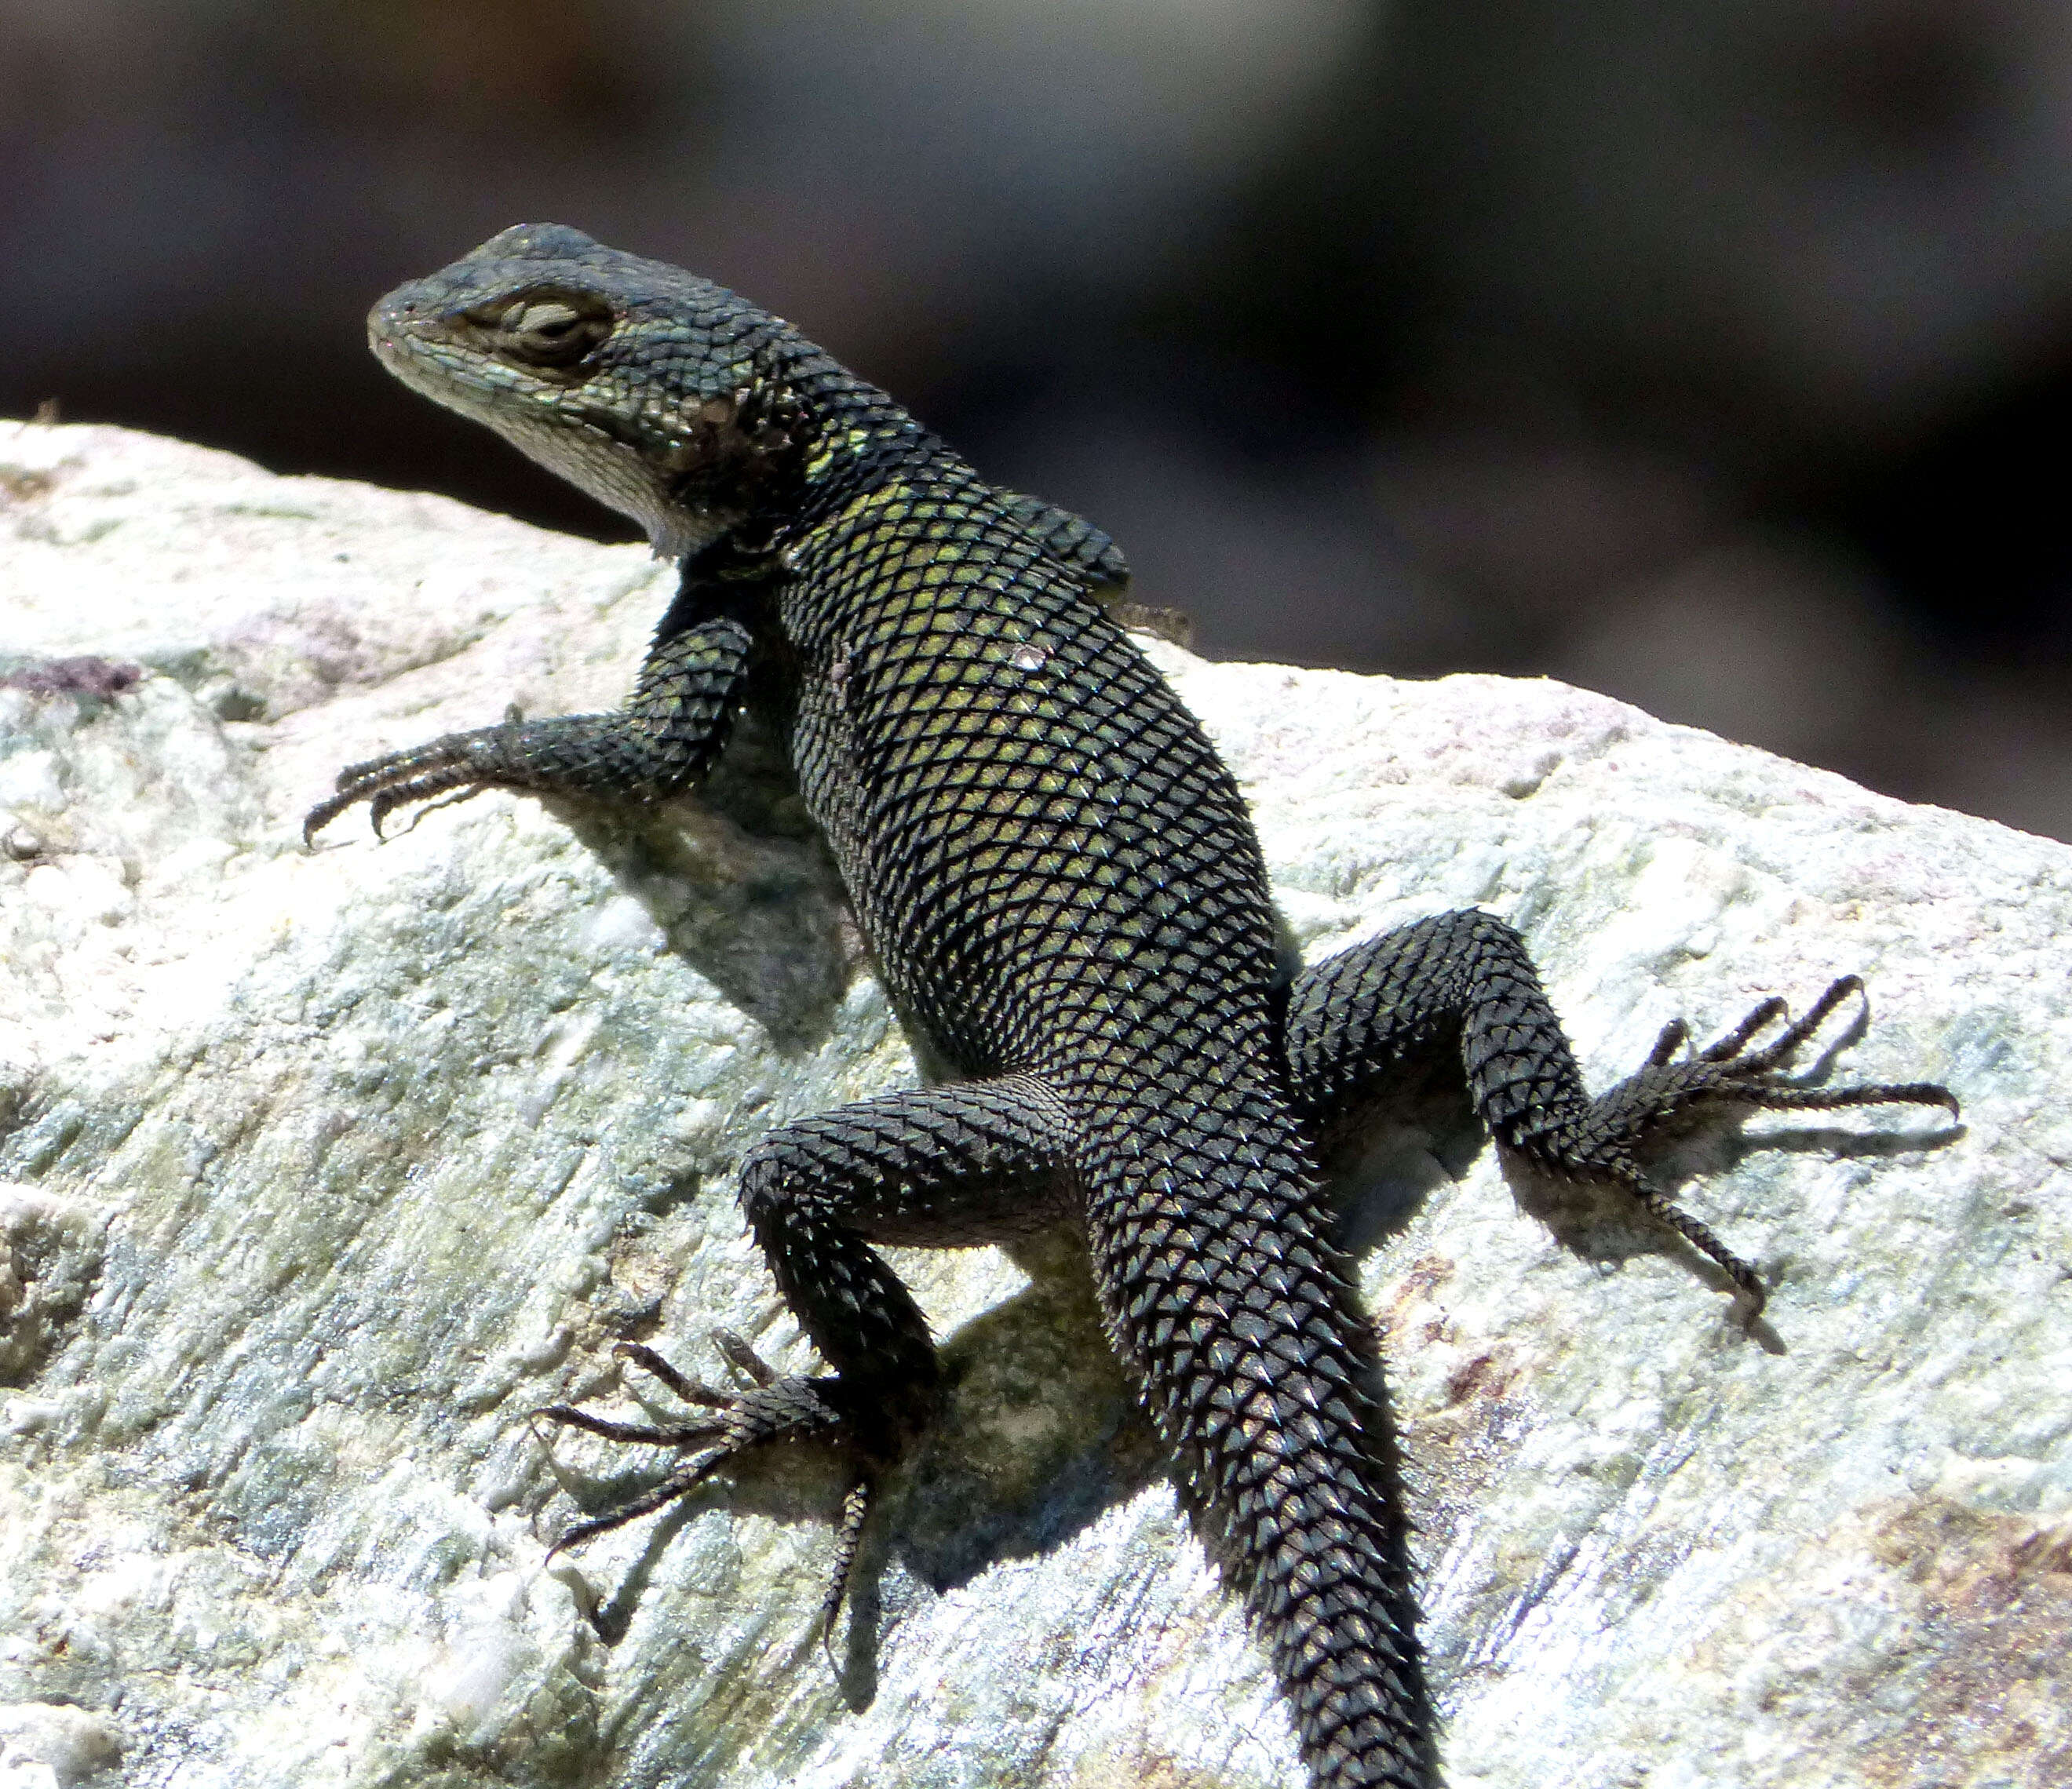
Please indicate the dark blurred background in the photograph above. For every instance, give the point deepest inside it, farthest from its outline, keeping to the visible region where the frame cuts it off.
(1714, 353)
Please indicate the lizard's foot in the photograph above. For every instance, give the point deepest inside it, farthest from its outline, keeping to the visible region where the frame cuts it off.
(1728, 1071)
(471, 760)
(768, 1409)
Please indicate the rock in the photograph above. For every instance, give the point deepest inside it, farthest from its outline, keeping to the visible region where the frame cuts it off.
(327, 1168)
(50, 1256)
(53, 1745)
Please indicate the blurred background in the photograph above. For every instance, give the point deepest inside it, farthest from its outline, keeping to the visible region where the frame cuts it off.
(1716, 354)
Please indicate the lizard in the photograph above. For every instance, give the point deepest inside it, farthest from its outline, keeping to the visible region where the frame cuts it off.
(1061, 886)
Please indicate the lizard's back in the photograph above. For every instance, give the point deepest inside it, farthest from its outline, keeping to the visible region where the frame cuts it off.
(1055, 868)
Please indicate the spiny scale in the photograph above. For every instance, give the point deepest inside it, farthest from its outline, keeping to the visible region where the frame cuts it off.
(1062, 887)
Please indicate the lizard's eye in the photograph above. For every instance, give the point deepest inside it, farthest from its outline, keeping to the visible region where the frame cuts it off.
(549, 330)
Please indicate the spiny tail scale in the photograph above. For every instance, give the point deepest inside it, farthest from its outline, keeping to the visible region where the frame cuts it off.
(1223, 1291)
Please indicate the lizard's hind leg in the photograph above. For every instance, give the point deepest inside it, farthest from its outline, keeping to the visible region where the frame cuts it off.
(1464, 981)
(941, 1167)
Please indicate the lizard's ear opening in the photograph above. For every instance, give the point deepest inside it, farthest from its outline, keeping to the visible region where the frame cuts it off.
(544, 329)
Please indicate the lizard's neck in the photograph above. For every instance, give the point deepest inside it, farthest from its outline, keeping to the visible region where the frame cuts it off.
(855, 439)
(844, 445)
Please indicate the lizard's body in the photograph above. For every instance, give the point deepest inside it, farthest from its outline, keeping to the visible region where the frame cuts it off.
(1061, 886)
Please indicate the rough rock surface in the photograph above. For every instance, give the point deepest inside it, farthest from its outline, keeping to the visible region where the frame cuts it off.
(322, 1169)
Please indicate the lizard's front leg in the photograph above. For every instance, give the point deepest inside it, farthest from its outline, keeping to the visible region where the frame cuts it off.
(941, 1167)
(661, 743)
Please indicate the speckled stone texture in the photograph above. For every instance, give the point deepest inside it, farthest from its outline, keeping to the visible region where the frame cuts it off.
(318, 1171)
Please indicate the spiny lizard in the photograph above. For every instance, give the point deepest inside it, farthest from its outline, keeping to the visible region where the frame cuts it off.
(1062, 887)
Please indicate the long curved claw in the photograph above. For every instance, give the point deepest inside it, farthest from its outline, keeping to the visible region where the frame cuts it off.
(770, 1408)
(1729, 1045)
(469, 761)
(692, 1391)
(753, 1370)
(849, 1535)
(646, 1433)
(678, 1484)
(1729, 1071)
(1675, 1036)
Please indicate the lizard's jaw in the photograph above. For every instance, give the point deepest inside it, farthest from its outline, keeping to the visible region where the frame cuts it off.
(543, 423)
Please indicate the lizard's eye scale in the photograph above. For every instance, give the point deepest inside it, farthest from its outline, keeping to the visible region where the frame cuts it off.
(547, 329)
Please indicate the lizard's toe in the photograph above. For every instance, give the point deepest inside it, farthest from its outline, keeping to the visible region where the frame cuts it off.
(770, 1408)
(1732, 1070)
(467, 762)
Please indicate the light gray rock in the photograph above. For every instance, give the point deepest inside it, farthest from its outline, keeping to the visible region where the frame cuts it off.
(324, 1168)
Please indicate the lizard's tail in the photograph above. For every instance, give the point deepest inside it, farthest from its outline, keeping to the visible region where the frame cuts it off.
(1221, 1287)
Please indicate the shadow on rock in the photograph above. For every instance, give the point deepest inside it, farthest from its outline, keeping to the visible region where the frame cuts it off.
(740, 883)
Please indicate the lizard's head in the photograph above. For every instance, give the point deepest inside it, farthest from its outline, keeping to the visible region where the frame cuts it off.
(662, 395)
